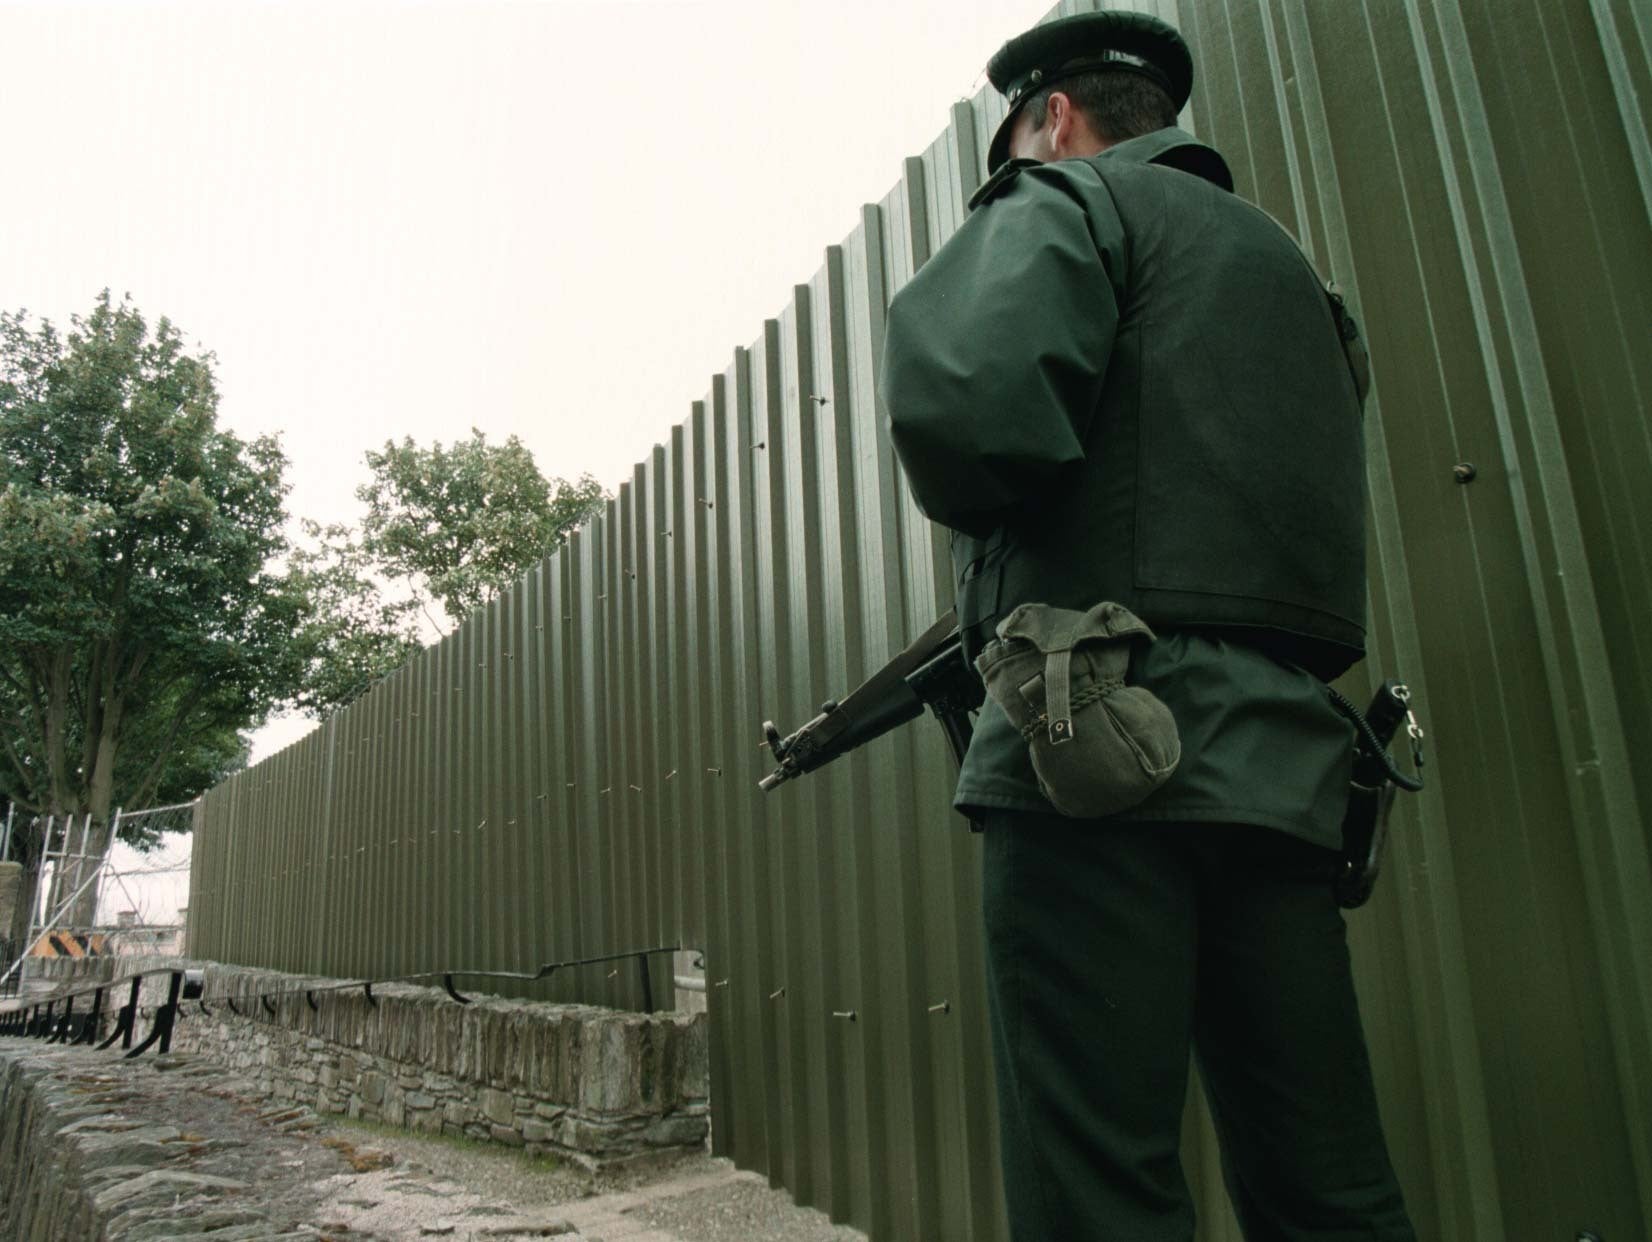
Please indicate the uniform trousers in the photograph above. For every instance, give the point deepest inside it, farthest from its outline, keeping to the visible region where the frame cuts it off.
(1115, 949)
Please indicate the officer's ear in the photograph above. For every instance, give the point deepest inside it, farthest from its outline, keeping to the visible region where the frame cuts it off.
(1070, 130)
(1059, 115)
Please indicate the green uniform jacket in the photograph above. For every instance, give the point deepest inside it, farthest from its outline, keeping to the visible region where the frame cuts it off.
(1120, 381)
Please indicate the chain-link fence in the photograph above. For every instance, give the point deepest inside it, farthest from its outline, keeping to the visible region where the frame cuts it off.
(94, 890)
(144, 901)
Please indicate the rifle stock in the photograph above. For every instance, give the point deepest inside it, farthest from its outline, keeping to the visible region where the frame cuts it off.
(931, 672)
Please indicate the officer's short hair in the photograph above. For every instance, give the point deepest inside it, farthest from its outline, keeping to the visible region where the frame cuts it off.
(1118, 104)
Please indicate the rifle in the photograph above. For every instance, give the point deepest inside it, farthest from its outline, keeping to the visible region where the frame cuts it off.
(931, 672)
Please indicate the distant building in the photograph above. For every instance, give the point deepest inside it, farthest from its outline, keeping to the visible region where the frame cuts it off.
(134, 939)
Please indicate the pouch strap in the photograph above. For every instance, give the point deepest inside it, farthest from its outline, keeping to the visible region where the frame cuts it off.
(1058, 672)
(1058, 689)
(1056, 631)
(1112, 660)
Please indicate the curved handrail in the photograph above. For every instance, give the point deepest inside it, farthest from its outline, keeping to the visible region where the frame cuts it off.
(41, 1018)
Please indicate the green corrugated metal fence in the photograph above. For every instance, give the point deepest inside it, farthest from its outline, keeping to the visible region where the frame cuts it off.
(574, 771)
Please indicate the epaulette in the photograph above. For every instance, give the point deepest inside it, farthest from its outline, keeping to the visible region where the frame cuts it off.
(994, 185)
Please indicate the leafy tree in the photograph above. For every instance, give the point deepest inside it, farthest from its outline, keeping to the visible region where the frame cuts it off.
(449, 524)
(141, 627)
(464, 522)
(354, 635)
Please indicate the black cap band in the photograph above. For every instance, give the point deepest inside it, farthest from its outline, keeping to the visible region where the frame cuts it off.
(1017, 91)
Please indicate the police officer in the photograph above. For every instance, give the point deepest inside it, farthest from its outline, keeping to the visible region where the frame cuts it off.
(1120, 382)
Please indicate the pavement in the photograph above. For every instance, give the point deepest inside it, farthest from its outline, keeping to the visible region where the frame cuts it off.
(176, 1147)
(435, 1188)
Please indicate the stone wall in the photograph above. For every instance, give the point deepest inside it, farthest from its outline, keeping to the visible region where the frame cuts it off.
(594, 1085)
(40, 1193)
(43, 976)
(64, 972)
(86, 1152)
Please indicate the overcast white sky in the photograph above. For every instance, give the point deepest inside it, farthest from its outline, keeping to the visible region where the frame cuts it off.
(552, 219)
(555, 219)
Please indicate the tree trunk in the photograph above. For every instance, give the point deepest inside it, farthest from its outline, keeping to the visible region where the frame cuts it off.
(28, 893)
(102, 789)
(110, 693)
(105, 706)
(57, 721)
(101, 794)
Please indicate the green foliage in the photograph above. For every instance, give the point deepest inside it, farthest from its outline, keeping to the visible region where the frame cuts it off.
(141, 628)
(216, 746)
(354, 635)
(464, 522)
(455, 525)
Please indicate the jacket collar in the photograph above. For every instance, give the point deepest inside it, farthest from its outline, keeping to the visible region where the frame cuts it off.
(1174, 148)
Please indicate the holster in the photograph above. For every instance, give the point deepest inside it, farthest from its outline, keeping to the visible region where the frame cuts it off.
(1370, 796)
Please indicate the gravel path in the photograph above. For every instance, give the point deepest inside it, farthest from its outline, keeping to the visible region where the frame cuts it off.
(175, 1147)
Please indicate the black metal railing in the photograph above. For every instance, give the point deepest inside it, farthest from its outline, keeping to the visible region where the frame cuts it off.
(55, 1018)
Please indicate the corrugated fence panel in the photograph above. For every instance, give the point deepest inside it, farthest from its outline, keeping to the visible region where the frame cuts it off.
(572, 772)
(1498, 620)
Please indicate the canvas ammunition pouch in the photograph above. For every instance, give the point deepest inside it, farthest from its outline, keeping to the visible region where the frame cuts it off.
(1098, 745)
